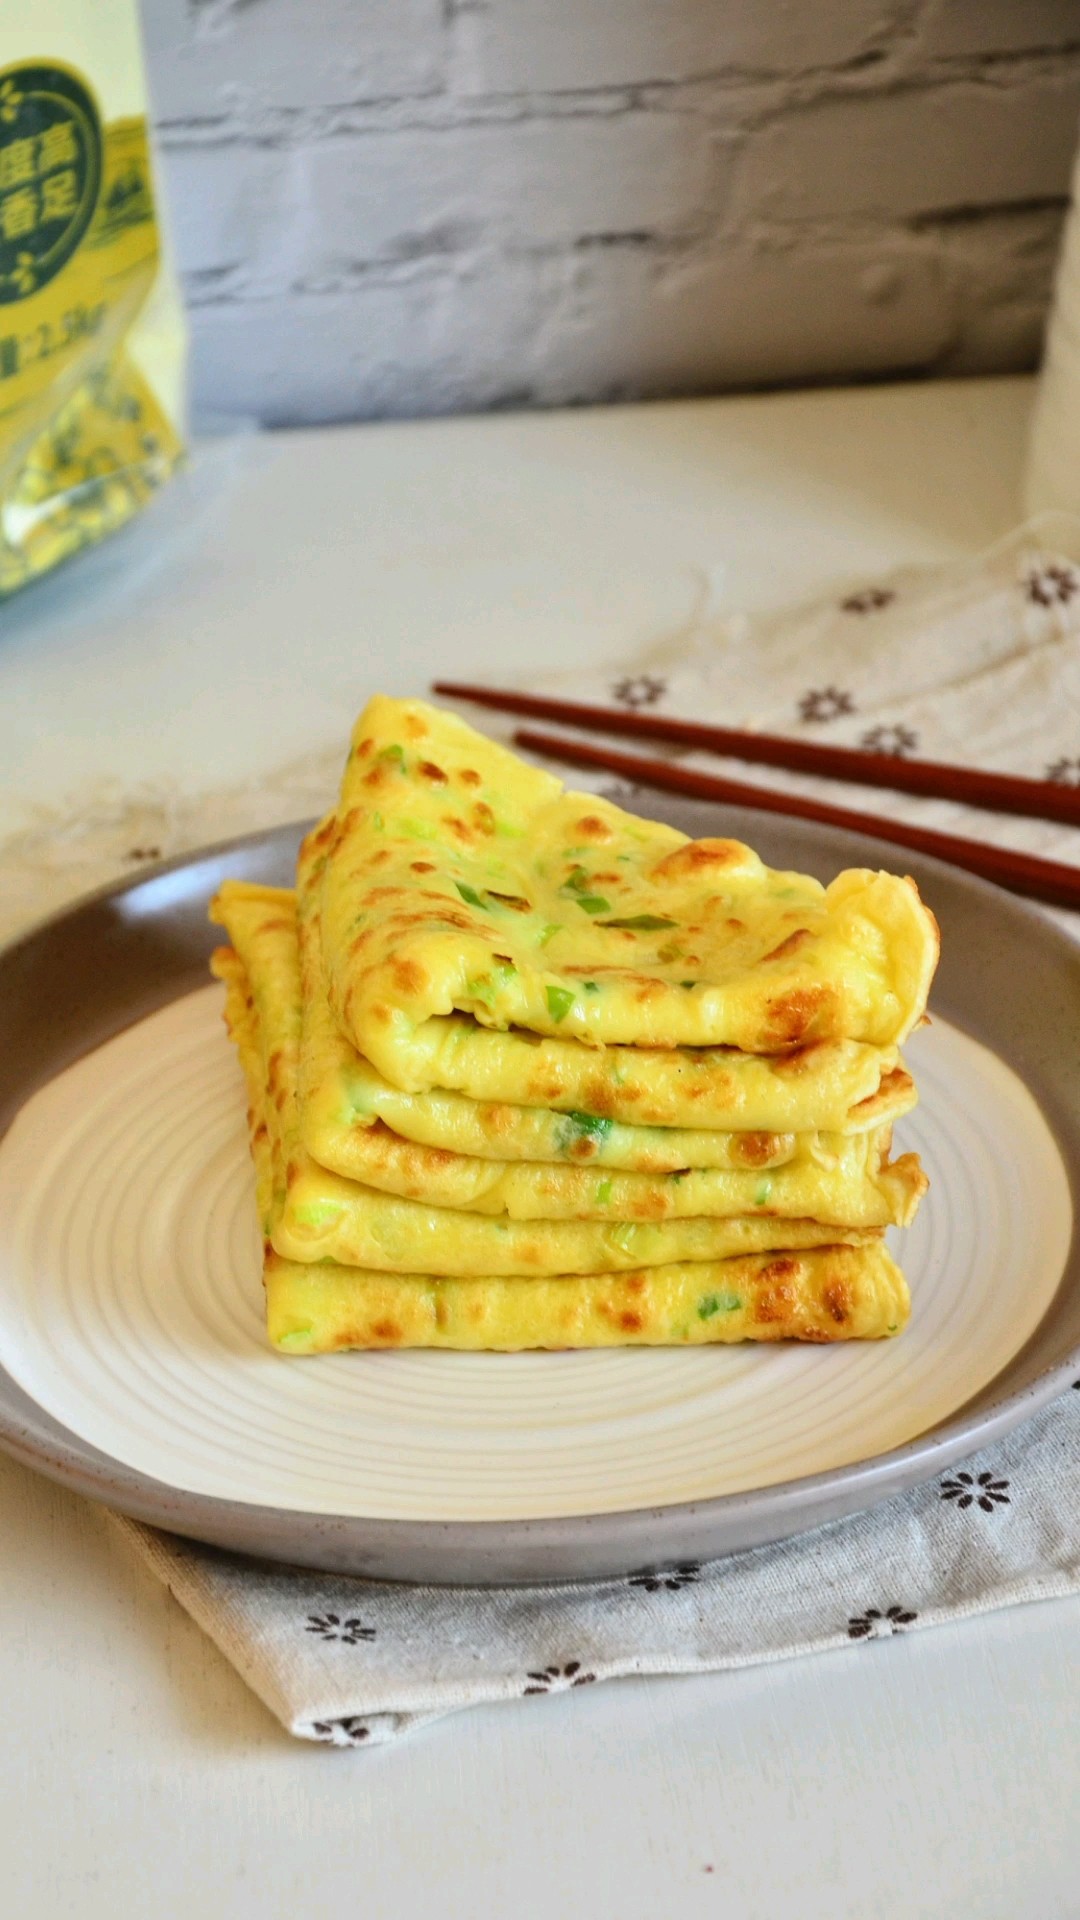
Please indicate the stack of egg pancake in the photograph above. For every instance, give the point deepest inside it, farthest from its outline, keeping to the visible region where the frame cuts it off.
(525, 1070)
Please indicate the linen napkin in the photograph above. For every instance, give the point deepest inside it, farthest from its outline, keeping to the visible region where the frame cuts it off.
(979, 664)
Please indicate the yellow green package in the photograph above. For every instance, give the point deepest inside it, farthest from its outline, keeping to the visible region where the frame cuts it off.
(91, 329)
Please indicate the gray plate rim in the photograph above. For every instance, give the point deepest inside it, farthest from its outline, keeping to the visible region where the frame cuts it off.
(149, 939)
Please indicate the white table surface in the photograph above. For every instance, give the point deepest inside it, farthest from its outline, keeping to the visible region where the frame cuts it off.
(930, 1775)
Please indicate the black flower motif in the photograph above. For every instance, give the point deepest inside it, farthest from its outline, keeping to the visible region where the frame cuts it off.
(1064, 773)
(876, 1625)
(349, 1732)
(1052, 586)
(896, 741)
(668, 1579)
(331, 1626)
(639, 690)
(825, 703)
(558, 1679)
(969, 1490)
(870, 600)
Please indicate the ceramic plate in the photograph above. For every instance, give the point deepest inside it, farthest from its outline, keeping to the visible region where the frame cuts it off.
(134, 1364)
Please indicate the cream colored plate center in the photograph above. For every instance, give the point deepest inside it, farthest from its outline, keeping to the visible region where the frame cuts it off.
(131, 1309)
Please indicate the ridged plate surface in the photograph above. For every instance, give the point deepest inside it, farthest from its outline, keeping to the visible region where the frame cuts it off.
(131, 1309)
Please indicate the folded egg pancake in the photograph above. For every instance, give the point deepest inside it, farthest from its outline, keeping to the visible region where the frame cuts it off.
(319, 1215)
(344, 1094)
(843, 1182)
(855, 1186)
(826, 1294)
(455, 878)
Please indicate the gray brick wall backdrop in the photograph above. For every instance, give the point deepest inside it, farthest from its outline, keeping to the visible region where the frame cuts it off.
(418, 206)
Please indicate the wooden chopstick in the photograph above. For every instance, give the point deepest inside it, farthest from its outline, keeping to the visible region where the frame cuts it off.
(1002, 792)
(1023, 873)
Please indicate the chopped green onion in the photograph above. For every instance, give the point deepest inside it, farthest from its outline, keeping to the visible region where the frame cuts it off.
(559, 1001)
(712, 1303)
(582, 1126)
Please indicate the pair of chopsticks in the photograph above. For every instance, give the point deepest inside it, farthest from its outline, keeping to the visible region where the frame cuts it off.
(1047, 880)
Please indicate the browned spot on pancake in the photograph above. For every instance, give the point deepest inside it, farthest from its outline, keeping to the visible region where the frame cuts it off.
(651, 1205)
(280, 1098)
(800, 1060)
(279, 925)
(630, 1322)
(733, 926)
(815, 1334)
(606, 879)
(782, 1268)
(633, 1282)
(379, 775)
(496, 1117)
(545, 1091)
(323, 833)
(292, 1172)
(531, 1254)
(583, 1148)
(697, 858)
(837, 1298)
(414, 726)
(791, 945)
(361, 941)
(382, 1014)
(442, 1311)
(650, 990)
(387, 1330)
(599, 1097)
(423, 866)
(470, 778)
(379, 858)
(428, 770)
(361, 751)
(408, 976)
(791, 1016)
(273, 1065)
(754, 1149)
(385, 893)
(483, 816)
(458, 828)
(591, 827)
(774, 1304)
